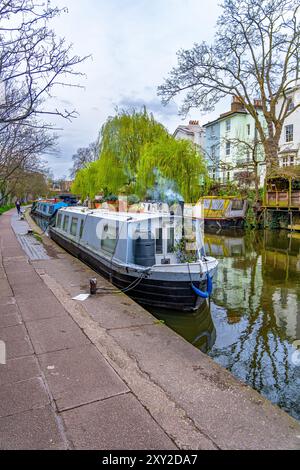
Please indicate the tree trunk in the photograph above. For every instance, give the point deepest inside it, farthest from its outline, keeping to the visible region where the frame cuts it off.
(256, 181)
(271, 152)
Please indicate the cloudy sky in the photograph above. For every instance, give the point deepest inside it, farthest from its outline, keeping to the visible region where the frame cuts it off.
(133, 45)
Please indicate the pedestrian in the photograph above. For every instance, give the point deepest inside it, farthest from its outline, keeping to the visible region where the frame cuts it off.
(18, 206)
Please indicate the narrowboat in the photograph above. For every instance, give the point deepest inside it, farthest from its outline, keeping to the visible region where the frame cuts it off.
(224, 212)
(157, 258)
(47, 208)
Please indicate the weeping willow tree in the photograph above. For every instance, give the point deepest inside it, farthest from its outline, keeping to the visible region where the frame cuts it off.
(133, 148)
(175, 160)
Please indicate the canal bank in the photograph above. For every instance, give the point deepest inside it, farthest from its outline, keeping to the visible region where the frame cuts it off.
(104, 373)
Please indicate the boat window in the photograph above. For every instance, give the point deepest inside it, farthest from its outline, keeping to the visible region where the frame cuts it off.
(109, 238)
(170, 244)
(159, 241)
(66, 223)
(59, 219)
(73, 229)
(51, 209)
(237, 205)
(217, 204)
(206, 203)
(81, 228)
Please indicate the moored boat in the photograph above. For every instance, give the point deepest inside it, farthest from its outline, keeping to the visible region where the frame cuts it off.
(154, 257)
(47, 208)
(224, 212)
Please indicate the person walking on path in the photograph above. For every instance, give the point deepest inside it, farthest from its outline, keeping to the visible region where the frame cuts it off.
(18, 206)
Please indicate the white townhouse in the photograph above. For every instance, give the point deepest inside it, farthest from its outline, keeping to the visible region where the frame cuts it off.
(289, 144)
(193, 132)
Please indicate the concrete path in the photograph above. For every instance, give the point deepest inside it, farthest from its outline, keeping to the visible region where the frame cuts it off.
(104, 374)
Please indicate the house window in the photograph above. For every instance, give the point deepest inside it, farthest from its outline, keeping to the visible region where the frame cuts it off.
(290, 106)
(248, 156)
(213, 151)
(289, 131)
(66, 223)
(227, 149)
(228, 125)
(248, 129)
(212, 131)
(214, 174)
(228, 175)
(73, 229)
(288, 160)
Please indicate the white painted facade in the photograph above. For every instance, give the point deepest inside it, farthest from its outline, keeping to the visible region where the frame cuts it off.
(289, 144)
(193, 132)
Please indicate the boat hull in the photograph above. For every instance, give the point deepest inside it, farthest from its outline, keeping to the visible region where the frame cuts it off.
(225, 223)
(171, 295)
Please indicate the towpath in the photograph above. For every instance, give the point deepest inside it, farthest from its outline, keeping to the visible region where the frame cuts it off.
(103, 373)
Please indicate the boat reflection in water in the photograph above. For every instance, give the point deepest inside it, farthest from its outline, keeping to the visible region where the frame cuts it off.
(197, 327)
(256, 311)
(41, 222)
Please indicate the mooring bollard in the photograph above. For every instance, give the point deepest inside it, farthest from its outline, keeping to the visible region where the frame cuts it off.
(93, 286)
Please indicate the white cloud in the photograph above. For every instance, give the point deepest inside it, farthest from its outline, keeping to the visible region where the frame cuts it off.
(133, 44)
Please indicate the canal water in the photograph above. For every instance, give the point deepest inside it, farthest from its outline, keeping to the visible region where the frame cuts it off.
(254, 315)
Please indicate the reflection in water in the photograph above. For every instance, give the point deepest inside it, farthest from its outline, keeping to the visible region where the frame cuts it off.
(41, 222)
(254, 315)
(196, 327)
(256, 312)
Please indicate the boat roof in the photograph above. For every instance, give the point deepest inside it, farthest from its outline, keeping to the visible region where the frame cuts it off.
(222, 197)
(121, 216)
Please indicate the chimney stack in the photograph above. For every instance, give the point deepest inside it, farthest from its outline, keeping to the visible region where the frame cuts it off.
(258, 103)
(236, 104)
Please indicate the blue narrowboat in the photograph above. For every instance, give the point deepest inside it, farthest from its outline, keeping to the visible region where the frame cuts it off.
(47, 208)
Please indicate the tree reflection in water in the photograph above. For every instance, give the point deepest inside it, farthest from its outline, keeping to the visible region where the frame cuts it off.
(256, 311)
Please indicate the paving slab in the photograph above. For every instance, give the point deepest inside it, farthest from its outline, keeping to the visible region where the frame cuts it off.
(30, 289)
(6, 302)
(17, 341)
(79, 376)
(5, 290)
(17, 265)
(9, 319)
(54, 334)
(20, 278)
(16, 370)
(2, 273)
(32, 430)
(12, 251)
(8, 306)
(33, 309)
(22, 396)
(116, 423)
(230, 413)
(114, 311)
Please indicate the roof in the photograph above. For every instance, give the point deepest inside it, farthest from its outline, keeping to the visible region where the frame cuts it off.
(224, 116)
(222, 197)
(121, 216)
(288, 172)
